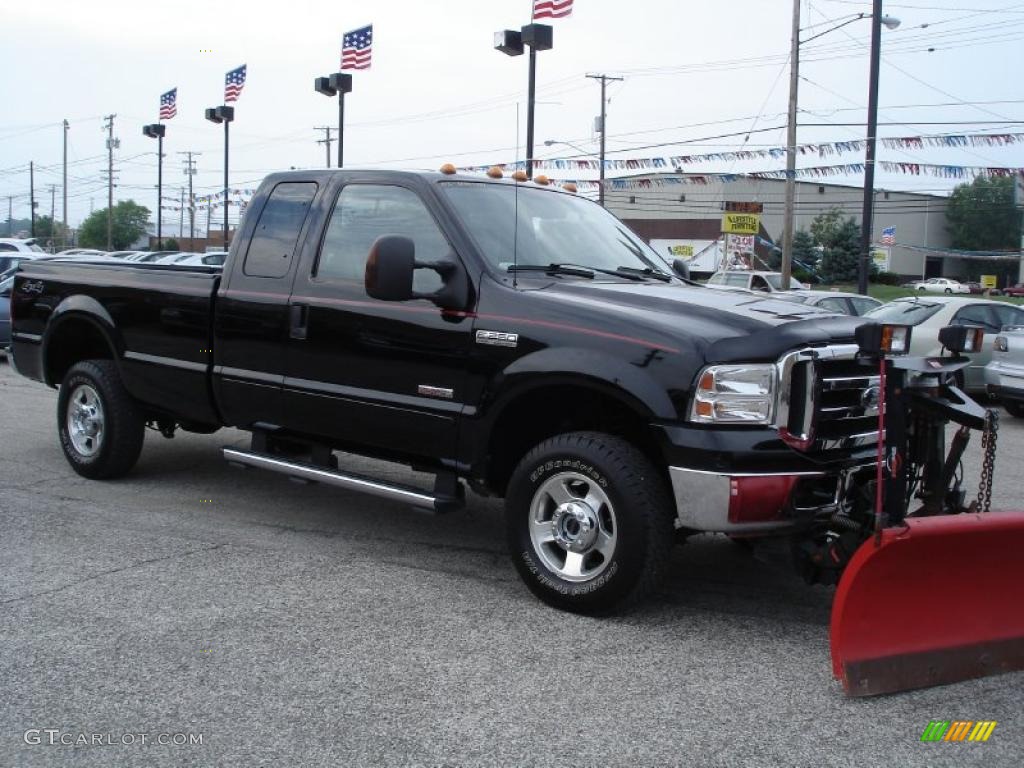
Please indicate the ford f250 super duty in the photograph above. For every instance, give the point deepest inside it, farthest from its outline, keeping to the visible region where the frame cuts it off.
(508, 336)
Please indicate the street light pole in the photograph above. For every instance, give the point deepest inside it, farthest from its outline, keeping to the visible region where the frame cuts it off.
(339, 83)
(157, 131)
(223, 114)
(869, 158)
(539, 37)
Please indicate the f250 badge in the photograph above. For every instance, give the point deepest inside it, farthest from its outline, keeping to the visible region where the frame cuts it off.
(32, 286)
(497, 338)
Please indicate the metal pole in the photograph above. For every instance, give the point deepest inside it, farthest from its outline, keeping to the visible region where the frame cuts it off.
(226, 124)
(341, 129)
(530, 98)
(600, 189)
(110, 181)
(787, 220)
(869, 159)
(181, 218)
(10, 216)
(191, 207)
(32, 196)
(64, 191)
(53, 211)
(159, 192)
(209, 208)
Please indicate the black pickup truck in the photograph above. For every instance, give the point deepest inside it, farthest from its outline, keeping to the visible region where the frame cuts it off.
(509, 336)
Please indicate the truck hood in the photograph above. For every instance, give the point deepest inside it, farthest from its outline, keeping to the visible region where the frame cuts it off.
(726, 325)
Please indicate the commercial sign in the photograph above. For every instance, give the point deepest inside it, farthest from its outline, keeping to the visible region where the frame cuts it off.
(734, 206)
(989, 281)
(741, 223)
(681, 251)
(741, 244)
(880, 258)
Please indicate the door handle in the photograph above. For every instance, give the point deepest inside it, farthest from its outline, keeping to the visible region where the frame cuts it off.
(299, 319)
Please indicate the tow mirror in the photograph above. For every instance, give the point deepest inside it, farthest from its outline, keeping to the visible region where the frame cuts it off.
(681, 268)
(390, 268)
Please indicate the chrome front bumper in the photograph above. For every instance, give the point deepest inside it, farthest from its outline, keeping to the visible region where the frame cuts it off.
(703, 500)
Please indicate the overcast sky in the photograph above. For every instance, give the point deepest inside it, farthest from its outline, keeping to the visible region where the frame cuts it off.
(437, 91)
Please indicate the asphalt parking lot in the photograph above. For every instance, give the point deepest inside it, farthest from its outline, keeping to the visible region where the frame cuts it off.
(289, 625)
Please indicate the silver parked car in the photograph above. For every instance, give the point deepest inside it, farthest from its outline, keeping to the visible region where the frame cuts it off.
(833, 301)
(928, 314)
(1004, 375)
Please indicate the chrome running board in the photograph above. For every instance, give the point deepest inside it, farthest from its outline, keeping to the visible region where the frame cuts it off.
(312, 473)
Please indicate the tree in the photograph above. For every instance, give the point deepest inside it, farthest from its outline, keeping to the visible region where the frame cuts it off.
(825, 227)
(805, 252)
(841, 255)
(981, 216)
(169, 245)
(130, 220)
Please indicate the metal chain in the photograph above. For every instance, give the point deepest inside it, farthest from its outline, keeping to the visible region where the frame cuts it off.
(988, 464)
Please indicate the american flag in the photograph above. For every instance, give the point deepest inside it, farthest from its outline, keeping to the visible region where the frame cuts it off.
(356, 48)
(169, 104)
(551, 9)
(889, 236)
(234, 81)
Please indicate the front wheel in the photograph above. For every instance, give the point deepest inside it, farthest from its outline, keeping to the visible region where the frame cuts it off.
(949, 290)
(98, 422)
(589, 523)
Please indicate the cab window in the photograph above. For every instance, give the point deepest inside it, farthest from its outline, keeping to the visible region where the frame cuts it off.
(365, 212)
(276, 237)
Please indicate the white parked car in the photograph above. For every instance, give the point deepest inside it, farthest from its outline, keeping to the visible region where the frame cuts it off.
(927, 314)
(18, 245)
(751, 280)
(940, 285)
(1004, 375)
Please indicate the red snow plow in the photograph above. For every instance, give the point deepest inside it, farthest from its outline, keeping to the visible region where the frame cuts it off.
(929, 585)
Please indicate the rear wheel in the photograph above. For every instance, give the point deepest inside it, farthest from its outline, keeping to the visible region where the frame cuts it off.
(99, 424)
(1014, 408)
(589, 523)
(949, 290)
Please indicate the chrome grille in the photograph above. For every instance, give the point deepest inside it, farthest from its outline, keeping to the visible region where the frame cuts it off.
(828, 400)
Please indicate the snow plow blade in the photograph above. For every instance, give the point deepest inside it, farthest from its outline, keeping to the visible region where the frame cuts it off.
(934, 602)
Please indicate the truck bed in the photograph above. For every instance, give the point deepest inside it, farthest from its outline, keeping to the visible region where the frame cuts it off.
(158, 316)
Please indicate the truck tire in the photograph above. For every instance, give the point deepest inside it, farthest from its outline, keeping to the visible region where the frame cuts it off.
(99, 424)
(589, 523)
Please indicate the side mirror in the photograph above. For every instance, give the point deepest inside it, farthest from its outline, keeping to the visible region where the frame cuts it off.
(390, 268)
(681, 268)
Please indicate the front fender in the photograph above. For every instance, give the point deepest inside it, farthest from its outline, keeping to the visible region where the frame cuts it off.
(610, 374)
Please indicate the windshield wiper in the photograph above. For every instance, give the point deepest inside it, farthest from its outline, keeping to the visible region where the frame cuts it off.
(645, 272)
(553, 269)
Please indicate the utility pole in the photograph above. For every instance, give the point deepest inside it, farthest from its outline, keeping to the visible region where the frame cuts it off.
(10, 216)
(869, 154)
(32, 195)
(190, 171)
(604, 81)
(787, 217)
(181, 218)
(108, 126)
(64, 191)
(53, 206)
(326, 129)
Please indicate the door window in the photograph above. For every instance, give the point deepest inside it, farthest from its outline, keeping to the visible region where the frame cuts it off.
(977, 315)
(366, 212)
(274, 241)
(863, 306)
(834, 304)
(1007, 315)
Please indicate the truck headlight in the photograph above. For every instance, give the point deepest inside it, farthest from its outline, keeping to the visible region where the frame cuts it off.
(734, 394)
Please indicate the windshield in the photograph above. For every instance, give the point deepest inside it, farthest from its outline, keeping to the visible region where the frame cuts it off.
(775, 281)
(904, 312)
(553, 228)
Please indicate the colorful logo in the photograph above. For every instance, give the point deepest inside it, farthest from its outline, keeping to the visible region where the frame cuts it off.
(958, 730)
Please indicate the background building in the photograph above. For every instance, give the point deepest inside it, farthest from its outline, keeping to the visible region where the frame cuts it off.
(670, 209)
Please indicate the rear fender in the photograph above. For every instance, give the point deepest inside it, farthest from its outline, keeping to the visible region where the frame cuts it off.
(85, 309)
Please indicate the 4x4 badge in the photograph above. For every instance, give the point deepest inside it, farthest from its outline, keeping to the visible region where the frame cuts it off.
(497, 338)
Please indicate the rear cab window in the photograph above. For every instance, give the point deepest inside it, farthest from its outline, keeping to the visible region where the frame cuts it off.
(274, 240)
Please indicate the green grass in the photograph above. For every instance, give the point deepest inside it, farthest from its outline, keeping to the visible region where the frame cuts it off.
(890, 292)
